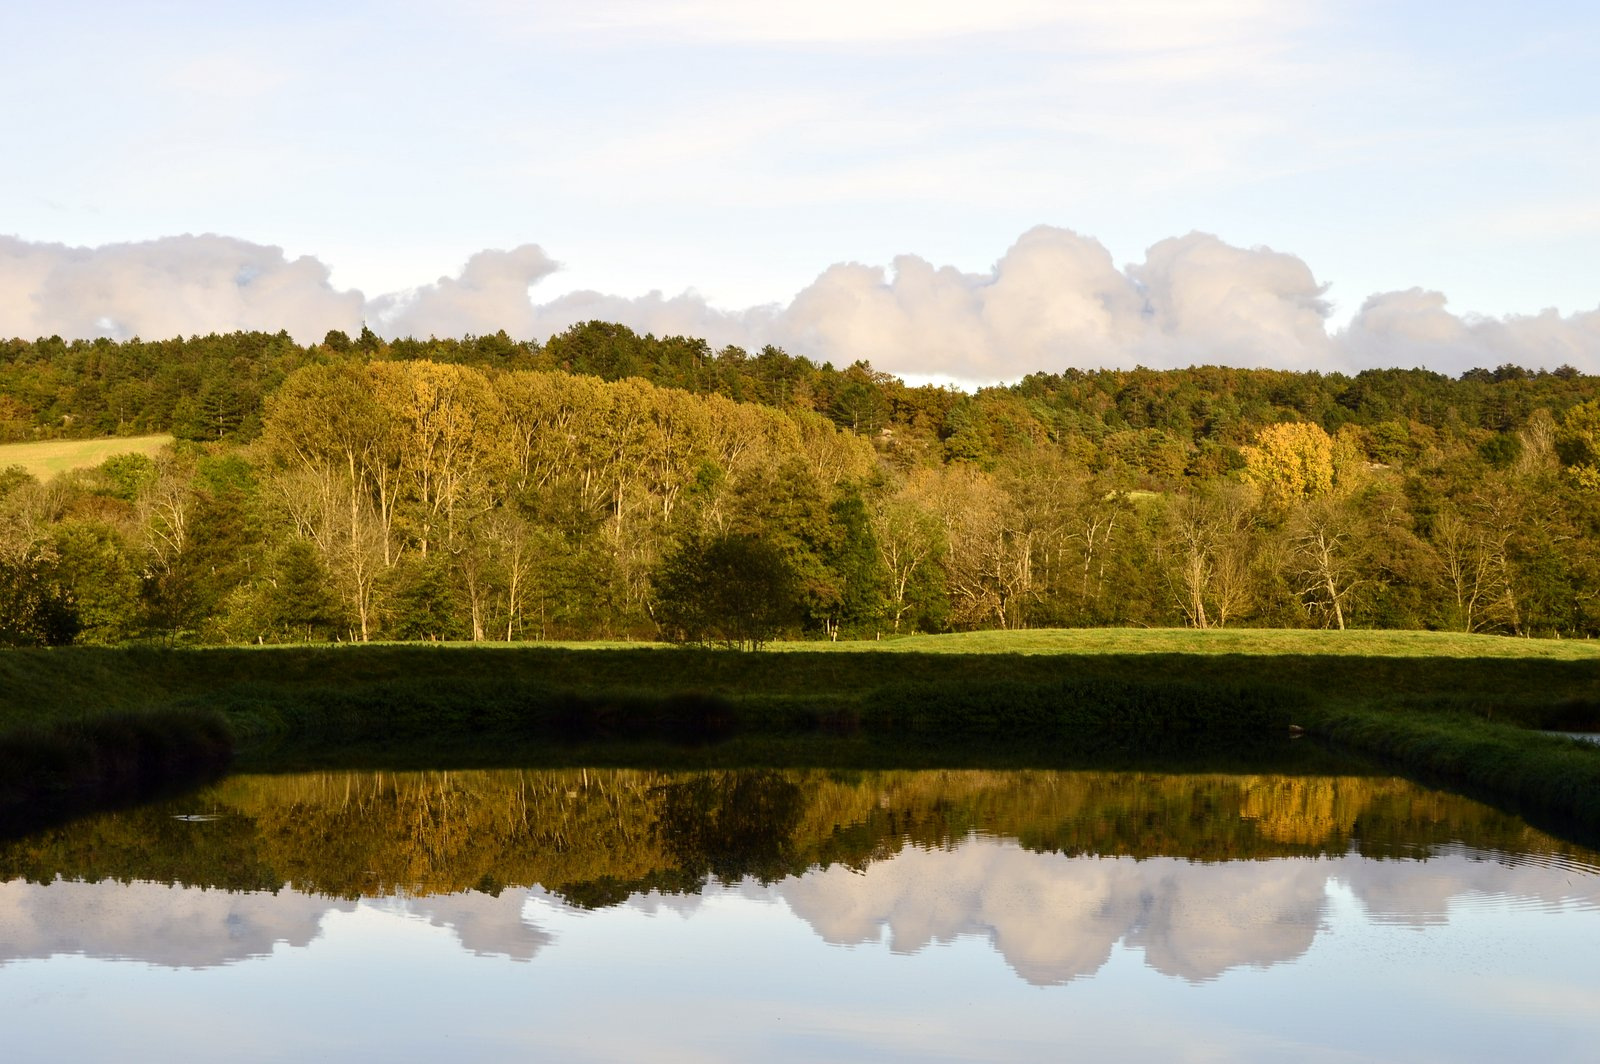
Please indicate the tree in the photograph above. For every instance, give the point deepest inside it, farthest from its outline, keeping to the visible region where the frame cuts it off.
(910, 545)
(852, 554)
(1578, 444)
(103, 584)
(1293, 461)
(986, 565)
(1327, 558)
(1209, 544)
(734, 589)
(1473, 568)
(455, 456)
(298, 601)
(36, 607)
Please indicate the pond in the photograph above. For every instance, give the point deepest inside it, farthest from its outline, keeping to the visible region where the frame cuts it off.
(800, 915)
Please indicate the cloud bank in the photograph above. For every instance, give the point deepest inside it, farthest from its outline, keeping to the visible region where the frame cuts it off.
(1054, 300)
(175, 286)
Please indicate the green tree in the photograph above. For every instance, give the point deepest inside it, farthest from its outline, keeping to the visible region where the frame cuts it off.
(36, 607)
(299, 601)
(101, 580)
(734, 589)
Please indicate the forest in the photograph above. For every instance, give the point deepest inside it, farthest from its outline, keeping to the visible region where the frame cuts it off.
(607, 485)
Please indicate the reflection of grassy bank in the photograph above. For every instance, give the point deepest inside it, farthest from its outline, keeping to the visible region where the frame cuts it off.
(595, 837)
(1540, 773)
(918, 701)
(52, 769)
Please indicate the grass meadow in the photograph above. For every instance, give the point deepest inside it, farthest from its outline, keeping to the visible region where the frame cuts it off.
(47, 458)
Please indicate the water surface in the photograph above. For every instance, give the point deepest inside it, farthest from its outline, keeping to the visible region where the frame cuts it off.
(800, 916)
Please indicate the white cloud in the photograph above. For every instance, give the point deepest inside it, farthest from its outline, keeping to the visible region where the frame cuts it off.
(1413, 328)
(173, 286)
(1054, 300)
(490, 294)
(1211, 302)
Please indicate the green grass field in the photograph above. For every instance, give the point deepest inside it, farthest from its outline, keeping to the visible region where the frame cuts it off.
(1251, 641)
(48, 458)
(1269, 642)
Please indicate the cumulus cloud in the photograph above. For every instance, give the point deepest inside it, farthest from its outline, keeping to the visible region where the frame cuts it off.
(1414, 328)
(174, 286)
(1054, 300)
(1211, 302)
(1054, 297)
(490, 294)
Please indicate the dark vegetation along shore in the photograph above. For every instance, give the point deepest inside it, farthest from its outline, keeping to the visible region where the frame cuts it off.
(1456, 710)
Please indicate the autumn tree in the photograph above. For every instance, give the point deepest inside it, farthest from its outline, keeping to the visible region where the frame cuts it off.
(1209, 544)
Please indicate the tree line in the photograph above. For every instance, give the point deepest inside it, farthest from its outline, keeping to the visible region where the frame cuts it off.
(611, 485)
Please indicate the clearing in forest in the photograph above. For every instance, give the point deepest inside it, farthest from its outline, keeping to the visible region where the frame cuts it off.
(48, 457)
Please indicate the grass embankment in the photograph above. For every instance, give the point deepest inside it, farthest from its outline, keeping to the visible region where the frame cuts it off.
(1455, 708)
(48, 457)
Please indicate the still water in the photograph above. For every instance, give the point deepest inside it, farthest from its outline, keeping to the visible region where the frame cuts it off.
(631, 915)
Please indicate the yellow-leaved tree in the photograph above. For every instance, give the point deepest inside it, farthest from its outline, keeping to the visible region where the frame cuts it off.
(1294, 461)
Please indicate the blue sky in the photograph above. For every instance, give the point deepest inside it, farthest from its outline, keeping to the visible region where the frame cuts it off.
(738, 151)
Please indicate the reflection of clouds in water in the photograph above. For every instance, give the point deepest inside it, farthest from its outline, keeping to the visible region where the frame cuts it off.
(190, 927)
(179, 927)
(1422, 892)
(1055, 918)
(1201, 920)
(656, 902)
(485, 924)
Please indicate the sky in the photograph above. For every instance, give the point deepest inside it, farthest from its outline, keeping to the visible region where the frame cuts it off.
(948, 190)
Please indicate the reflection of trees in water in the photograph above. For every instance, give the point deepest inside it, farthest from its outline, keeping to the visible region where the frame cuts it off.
(730, 824)
(598, 837)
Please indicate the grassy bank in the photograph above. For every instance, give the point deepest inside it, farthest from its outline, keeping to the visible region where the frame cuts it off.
(1454, 707)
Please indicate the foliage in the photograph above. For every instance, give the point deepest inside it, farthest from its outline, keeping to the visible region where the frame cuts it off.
(1550, 775)
(486, 488)
(36, 606)
(734, 589)
(595, 836)
(54, 770)
(1029, 698)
